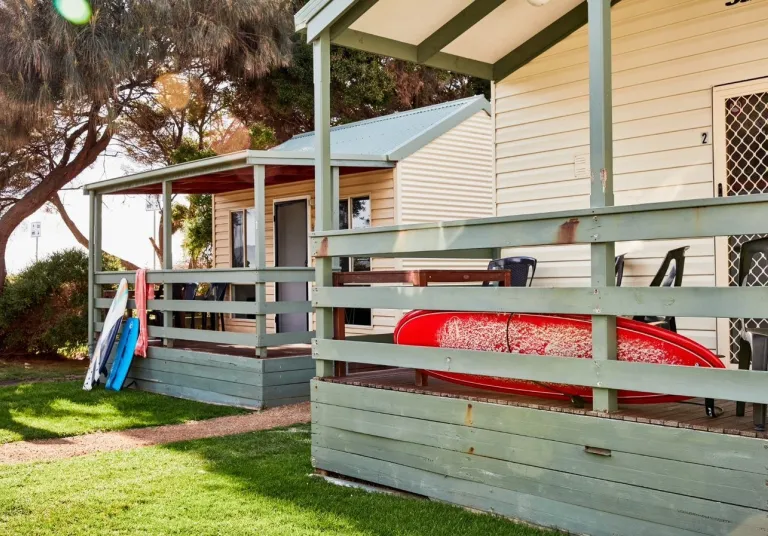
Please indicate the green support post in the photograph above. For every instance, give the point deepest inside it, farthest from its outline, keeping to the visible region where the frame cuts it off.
(335, 217)
(91, 272)
(601, 192)
(321, 49)
(260, 261)
(167, 254)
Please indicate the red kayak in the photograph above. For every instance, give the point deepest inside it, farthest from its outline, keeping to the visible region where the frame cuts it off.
(548, 335)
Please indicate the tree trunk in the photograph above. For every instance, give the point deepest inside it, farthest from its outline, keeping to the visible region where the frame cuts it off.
(80, 237)
(60, 176)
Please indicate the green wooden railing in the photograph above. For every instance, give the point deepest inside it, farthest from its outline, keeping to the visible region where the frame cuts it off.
(259, 338)
(605, 225)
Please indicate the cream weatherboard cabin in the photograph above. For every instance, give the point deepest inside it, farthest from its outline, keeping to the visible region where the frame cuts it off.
(620, 127)
(426, 165)
(441, 169)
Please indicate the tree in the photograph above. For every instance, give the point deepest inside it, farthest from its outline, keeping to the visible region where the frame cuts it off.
(197, 217)
(65, 88)
(363, 86)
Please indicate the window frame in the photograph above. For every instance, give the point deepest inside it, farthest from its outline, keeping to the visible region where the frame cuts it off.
(351, 260)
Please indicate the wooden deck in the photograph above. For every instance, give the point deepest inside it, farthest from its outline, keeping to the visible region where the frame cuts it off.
(689, 414)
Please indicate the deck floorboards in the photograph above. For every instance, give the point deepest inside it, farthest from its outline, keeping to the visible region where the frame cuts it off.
(677, 415)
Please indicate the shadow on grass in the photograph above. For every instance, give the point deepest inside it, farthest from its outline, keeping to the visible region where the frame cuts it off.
(49, 410)
(275, 464)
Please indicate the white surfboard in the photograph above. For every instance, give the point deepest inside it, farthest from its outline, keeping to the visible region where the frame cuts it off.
(106, 339)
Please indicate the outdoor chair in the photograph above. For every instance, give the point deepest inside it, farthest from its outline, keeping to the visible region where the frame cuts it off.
(668, 275)
(619, 265)
(756, 348)
(522, 268)
(186, 291)
(216, 292)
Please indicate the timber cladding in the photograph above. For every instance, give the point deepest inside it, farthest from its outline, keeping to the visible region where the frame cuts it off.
(576, 472)
(378, 185)
(667, 58)
(220, 379)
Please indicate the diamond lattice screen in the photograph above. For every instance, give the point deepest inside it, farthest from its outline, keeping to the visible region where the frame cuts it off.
(746, 142)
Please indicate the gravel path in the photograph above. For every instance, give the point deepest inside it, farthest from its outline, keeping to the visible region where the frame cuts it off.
(68, 447)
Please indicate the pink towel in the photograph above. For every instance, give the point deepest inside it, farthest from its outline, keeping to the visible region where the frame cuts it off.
(143, 292)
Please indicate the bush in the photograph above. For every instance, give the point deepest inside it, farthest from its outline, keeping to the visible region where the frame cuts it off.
(43, 309)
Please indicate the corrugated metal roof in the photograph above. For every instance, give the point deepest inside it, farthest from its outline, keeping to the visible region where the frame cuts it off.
(393, 136)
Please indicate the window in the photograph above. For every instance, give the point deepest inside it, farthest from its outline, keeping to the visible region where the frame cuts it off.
(355, 213)
(243, 227)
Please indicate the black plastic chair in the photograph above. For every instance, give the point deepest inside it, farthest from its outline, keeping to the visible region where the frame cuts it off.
(522, 268)
(619, 266)
(755, 351)
(668, 275)
(216, 292)
(186, 291)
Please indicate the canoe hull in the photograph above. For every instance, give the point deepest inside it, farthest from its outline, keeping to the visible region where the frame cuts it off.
(567, 336)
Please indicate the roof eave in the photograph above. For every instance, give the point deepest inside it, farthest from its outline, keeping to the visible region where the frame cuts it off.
(228, 162)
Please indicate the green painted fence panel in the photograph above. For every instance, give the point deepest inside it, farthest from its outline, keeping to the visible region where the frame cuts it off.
(679, 511)
(255, 378)
(722, 302)
(743, 385)
(696, 218)
(692, 446)
(711, 483)
(204, 358)
(239, 390)
(281, 364)
(302, 376)
(199, 395)
(533, 509)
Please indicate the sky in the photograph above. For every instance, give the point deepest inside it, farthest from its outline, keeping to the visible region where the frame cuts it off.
(127, 225)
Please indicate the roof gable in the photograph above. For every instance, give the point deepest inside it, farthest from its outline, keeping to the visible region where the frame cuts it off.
(394, 136)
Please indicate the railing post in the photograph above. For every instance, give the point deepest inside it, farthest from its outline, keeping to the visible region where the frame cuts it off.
(601, 193)
(94, 265)
(260, 260)
(324, 198)
(167, 254)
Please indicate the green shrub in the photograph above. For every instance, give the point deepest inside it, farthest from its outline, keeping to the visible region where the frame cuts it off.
(43, 308)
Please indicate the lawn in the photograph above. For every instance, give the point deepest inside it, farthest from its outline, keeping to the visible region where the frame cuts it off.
(59, 409)
(254, 483)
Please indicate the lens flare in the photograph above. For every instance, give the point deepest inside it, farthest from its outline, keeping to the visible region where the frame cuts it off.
(75, 11)
(173, 91)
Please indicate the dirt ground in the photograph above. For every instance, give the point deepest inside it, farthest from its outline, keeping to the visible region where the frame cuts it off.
(68, 447)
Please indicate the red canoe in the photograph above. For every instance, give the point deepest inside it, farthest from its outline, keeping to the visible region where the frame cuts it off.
(554, 335)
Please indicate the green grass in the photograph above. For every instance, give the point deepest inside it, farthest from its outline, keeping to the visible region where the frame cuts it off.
(18, 370)
(43, 410)
(251, 484)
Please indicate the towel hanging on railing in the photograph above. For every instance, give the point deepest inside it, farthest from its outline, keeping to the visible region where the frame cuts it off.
(143, 292)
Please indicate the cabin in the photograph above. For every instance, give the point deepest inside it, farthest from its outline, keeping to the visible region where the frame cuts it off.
(442, 169)
(239, 333)
(629, 127)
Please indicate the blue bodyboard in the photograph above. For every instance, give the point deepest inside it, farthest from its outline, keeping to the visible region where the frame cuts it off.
(124, 355)
(110, 345)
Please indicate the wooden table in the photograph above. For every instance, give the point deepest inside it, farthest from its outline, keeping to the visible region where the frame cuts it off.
(417, 278)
